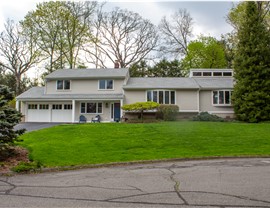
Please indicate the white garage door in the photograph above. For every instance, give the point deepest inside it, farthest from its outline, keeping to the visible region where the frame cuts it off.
(38, 113)
(61, 113)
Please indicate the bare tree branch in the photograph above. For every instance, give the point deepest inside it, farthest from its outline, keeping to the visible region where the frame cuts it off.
(176, 33)
(18, 51)
(122, 35)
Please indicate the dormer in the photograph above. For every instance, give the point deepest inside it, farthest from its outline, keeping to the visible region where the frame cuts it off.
(211, 73)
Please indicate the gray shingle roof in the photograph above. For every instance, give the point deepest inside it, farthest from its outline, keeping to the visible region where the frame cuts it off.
(88, 73)
(161, 83)
(215, 83)
(38, 93)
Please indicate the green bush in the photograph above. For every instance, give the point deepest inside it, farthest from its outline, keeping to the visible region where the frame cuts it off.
(168, 112)
(26, 167)
(205, 116)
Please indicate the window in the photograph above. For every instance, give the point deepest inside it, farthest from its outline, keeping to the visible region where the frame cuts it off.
(106, 84)
(207, 74)
(32, 106)
(222, 97)
(43, 106)
(63, 84)
(57, 106)
(217, 74)
(161, 96)
(227, 74)
(67, 106)
(197, 74)
(91, 107)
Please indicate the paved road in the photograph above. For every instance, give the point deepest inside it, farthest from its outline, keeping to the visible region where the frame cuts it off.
(32, 126)
(230, 183)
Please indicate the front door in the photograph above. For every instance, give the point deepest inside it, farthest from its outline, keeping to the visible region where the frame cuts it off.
(116, 112)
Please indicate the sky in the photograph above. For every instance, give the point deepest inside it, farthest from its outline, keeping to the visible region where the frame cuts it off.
(209, 16)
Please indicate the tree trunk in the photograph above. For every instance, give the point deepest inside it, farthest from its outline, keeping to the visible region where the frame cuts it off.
(18, 84)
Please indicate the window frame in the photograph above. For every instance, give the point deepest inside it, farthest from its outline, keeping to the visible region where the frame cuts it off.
(156, 92)
(64, 84)
(67, 107)
(57, 108)
(106, 84)
(44, 106)
(218, 98)
(99, 107)
(33, 107)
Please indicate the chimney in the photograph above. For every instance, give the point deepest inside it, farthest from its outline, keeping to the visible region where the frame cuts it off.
(116, 64)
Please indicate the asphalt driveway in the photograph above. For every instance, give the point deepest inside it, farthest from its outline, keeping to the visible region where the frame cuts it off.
(32, 126)
(230, 183)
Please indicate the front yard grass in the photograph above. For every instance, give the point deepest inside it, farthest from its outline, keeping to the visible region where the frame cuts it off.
(82, 144)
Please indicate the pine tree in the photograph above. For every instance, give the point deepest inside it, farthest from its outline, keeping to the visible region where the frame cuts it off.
(9, 117)
(251, 98)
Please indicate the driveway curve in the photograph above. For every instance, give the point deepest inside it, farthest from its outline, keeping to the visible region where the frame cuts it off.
(229, 183)
(33, 126)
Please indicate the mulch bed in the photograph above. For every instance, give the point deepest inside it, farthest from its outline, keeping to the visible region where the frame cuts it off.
(20, 155)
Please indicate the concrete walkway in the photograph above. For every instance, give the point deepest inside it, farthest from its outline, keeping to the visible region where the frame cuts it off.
(231, 183)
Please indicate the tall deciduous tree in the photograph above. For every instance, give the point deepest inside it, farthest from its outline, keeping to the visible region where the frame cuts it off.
(18, 50)
(176, 33)
(122, 35)
(251, 97)
(206, 52)
(61, 29)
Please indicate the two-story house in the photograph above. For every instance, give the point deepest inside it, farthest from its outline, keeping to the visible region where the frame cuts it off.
(69, 93)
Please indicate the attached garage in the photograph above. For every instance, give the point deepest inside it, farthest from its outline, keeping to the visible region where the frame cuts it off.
(37, 112)
(61, 113)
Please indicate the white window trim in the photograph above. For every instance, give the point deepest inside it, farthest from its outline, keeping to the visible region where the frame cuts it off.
(96, 108)
(61, 90)
(221, 105)
(106, 85)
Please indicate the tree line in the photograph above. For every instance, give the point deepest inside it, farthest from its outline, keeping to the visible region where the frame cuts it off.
(78, 34)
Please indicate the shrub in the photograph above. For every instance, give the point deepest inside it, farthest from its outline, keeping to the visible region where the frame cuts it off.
(26, 167)
(168, 112)
(140, 107)
(205, 116)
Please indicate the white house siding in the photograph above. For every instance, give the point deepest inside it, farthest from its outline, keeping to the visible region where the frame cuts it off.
(133, 96)
(206, 105)
(84, 87)
(187, 100)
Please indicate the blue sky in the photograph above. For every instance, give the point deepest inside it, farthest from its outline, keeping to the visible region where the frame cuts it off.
(209, 16)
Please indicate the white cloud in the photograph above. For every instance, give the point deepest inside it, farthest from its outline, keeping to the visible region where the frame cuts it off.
(15, 9)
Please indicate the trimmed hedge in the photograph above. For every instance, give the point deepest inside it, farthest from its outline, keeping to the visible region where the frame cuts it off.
(167, 112)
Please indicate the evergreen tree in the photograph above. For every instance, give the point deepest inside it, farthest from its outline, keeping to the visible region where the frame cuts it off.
(251, 96)
(9, 117)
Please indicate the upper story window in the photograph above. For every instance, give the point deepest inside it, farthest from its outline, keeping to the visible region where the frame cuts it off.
(63, 84)
(222, 97)
(161, 96)
(216, 73)
(106, 84)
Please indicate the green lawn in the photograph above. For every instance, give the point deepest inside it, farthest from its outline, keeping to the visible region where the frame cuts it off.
(117, 142)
